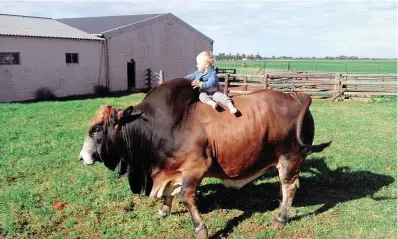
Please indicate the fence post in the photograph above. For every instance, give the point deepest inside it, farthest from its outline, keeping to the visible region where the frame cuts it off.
(226, 83)
(149, 78)
(245, 82)
(288, 67)
(338, 91)
(336, 84)
(161, 77)
(265, 79)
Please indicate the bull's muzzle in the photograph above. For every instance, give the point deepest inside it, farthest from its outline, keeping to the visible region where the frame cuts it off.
(87, 152)
(86, 158)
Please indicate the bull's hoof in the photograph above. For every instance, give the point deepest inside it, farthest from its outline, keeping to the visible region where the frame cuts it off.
(162, 214)
(201, 232)
(278, 223)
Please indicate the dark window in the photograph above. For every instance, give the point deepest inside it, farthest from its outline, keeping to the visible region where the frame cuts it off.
(9, 58)
(68, 58)
(72, 57)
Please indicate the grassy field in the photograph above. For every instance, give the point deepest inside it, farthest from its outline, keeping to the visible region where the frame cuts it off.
(348, 191)
(375, 66)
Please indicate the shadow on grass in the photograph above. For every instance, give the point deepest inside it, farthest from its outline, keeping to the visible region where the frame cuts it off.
(326, 186)
(115, 94)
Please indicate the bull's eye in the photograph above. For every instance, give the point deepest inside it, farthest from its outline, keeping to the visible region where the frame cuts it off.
(95, 129)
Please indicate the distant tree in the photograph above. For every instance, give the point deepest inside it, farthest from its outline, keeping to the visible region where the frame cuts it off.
(220, 57)
(239, 56)
(229, 57)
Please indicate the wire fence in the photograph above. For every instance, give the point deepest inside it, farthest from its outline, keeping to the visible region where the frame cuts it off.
(245, 67)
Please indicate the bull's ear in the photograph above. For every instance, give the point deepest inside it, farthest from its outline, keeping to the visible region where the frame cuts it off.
(127, 111)
(129, 114)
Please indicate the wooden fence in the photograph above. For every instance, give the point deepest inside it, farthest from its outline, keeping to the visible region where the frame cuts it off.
(330, 86)
(359, 84)
(154, 78)
(222, 71)
(319, 85)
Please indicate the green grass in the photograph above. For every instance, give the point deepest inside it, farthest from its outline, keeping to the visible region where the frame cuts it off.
(348, 191)
(364, 66)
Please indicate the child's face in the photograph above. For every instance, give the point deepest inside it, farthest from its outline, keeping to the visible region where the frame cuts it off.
(201, 63)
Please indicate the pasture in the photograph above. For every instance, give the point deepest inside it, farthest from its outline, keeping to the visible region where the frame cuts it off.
(347, 191)
(363, 66)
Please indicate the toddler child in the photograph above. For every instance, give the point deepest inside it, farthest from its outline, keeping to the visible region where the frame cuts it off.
(206, 79)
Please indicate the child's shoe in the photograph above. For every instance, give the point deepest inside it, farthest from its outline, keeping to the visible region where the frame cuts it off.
(232, 108)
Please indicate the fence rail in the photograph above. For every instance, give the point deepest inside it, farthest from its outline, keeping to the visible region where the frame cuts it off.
(369, 84)
(320, 85)
(222, 71)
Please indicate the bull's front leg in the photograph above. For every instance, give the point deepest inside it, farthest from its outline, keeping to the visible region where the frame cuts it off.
(166, 207)
(288, 167)
(189, 186)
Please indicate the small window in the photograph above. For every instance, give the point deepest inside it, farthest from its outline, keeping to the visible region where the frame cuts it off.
(9, 58)
(72, 57)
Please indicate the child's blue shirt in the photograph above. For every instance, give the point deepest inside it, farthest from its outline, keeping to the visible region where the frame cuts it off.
(209, 78)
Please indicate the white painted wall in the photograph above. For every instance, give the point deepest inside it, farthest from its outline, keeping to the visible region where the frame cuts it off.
(43, 65)
(160, 46)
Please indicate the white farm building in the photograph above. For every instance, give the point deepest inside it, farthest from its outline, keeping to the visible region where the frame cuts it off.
(71, 56)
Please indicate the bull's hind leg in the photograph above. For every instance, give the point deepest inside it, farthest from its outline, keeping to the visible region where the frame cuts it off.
(190, 184)
(288, 168)
(166, 207)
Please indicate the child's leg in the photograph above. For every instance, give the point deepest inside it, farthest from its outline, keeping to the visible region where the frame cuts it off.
(205, 98)
(222, 98)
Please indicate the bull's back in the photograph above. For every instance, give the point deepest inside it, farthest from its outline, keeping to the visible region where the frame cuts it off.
(248, 140)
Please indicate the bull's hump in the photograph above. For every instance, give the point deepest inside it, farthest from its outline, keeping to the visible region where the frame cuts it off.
(170, 100)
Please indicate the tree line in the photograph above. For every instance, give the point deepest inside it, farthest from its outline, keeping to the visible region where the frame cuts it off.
(237, 56)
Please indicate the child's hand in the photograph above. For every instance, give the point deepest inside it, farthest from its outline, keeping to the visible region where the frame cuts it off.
(195, 84)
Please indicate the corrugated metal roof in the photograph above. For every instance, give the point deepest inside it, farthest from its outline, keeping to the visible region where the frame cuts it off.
(15, 25)
(98, 25)
(111, 25)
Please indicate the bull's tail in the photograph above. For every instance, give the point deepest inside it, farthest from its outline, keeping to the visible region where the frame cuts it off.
(306, 101)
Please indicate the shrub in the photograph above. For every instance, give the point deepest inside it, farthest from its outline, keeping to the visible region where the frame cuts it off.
(101, 90)
(44, 93)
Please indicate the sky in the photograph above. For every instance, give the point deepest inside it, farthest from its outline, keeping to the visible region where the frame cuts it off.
(299, 28)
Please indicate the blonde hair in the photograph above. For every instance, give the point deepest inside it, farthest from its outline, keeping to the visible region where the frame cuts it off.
(208, 56)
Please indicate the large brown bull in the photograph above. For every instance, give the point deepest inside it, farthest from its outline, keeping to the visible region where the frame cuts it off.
(169, 142)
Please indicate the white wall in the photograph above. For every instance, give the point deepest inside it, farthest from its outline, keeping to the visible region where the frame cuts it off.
(160, 46)
(43, 65)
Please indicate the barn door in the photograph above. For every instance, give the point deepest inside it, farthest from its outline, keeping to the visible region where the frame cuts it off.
(131, 74)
